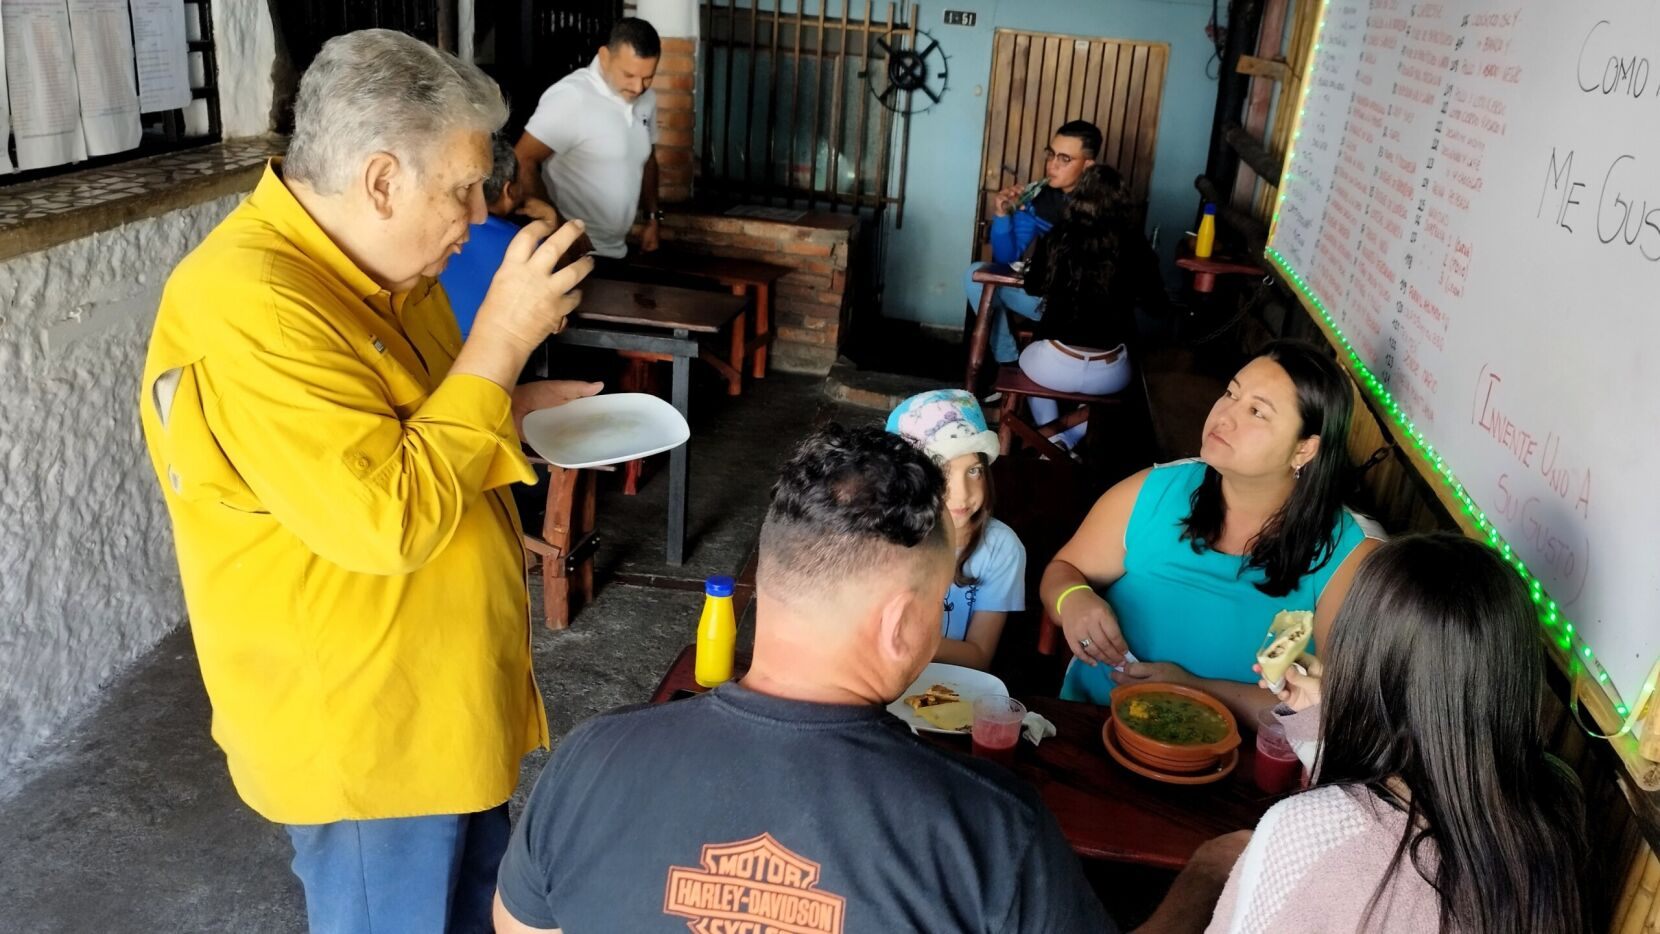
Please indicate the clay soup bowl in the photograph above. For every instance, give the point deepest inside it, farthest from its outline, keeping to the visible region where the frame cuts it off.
(1171, 757)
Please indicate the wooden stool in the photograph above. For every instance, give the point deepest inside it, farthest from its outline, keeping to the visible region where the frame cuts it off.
(566, 544)
(749, 277)
(1049, 634)
(991, 278)
(1016, 386)
(639, 375)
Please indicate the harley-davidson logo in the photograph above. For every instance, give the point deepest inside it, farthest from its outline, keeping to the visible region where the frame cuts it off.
(753, 886)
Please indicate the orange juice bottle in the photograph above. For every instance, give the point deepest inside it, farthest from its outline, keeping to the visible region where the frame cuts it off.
(1205, 241)
(717, 633)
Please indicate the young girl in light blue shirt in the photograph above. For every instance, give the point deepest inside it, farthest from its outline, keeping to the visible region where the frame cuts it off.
(990, 580)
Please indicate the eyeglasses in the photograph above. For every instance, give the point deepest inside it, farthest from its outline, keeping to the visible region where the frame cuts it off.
(1050, 155)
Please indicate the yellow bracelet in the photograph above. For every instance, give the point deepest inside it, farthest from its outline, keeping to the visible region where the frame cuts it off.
(1066, 593)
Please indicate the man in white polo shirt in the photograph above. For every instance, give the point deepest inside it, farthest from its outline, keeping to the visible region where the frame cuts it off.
(591, 141)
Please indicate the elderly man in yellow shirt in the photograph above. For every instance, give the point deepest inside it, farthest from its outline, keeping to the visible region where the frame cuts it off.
(336, 461)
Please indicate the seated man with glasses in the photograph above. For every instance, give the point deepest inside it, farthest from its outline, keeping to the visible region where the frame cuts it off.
(1023, 213)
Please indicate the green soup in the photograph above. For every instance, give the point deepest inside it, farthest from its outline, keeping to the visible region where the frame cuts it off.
(1171, 718)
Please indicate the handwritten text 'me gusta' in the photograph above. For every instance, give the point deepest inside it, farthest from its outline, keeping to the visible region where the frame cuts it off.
(1625, 212)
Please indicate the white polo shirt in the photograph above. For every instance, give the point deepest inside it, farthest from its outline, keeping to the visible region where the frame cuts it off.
(600, 144)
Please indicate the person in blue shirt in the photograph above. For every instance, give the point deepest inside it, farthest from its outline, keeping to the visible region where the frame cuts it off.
(1018, 221)
(1193, 559)
(990, 578)
(468, 275)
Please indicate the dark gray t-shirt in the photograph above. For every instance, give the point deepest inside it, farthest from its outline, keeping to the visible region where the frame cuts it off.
(738, 812)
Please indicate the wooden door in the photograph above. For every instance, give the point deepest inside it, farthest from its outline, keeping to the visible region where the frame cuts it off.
(1041, 80)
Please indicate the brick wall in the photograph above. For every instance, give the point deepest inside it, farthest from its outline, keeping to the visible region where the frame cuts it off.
(675, 84)
(811, 303)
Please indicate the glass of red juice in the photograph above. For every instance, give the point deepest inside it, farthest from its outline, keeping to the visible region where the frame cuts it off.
(997, 722)
(1277, 769)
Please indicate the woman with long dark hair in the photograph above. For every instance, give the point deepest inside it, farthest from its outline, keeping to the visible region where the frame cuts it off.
(1194, 558)
(1435, 805)
(1092, 271)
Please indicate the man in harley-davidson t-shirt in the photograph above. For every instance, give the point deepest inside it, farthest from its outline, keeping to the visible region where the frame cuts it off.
(793, 801)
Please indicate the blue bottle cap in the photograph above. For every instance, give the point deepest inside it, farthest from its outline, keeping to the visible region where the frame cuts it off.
(1210, 209)
(718, 586)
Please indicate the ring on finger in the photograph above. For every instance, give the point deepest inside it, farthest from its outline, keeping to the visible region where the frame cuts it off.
(1084, 643)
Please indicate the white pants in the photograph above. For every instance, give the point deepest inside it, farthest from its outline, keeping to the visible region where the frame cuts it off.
(1090, 372)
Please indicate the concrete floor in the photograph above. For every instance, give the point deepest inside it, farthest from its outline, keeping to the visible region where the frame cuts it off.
(128, 823)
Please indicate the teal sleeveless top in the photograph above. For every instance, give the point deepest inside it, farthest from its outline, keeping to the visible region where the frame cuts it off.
(1201, 611)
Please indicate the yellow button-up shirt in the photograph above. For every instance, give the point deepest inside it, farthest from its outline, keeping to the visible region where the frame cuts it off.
(348, 546)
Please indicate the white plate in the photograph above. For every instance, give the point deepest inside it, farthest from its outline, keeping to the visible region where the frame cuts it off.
(969, 683)
(599, 430)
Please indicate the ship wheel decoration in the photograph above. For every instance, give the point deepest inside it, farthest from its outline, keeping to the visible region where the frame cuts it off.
(916, 71)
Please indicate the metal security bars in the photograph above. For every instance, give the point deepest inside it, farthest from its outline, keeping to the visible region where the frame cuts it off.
(800, 106)
(307, 24)
(567, 33)
(537, 42)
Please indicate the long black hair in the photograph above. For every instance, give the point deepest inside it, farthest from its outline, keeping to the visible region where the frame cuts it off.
(1082, 250)
(1434, 677)
(1302, 536)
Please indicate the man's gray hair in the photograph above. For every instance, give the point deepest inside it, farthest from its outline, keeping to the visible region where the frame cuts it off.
(377, 90)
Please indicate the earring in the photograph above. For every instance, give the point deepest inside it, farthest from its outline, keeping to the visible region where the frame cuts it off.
(1297, 472)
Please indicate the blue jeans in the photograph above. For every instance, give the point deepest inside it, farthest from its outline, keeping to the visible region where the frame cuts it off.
(1003, 301)
(405, 875)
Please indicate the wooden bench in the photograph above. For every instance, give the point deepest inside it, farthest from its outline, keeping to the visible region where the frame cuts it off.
(748, 277)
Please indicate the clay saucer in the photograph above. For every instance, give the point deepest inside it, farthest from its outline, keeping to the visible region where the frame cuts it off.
(1224, 765)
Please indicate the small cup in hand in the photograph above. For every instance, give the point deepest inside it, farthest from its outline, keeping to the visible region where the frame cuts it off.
(578, 249)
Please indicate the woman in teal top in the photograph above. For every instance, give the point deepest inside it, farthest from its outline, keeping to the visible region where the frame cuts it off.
(1195, 558)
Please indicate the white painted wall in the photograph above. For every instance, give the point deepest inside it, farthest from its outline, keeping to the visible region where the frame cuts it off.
(246, 46)
(676, 19)
(88, 579)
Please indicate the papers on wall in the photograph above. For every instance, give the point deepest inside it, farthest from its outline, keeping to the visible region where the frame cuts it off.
(163, 63)
(5, 110)
(40, 72)
(103, 43)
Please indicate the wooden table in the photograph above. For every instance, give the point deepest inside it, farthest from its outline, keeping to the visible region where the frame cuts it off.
(1207, 269)
(744, 277)
(1106, 811)
(632, 316)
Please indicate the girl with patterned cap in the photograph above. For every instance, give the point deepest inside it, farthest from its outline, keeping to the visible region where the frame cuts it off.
(990, 581)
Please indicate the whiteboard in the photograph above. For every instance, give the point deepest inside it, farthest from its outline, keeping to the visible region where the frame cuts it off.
(1473, 197)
